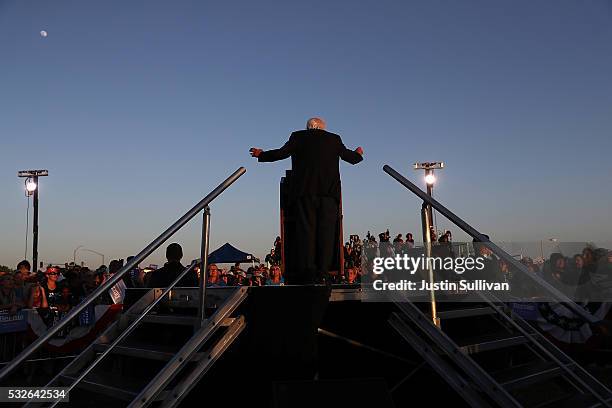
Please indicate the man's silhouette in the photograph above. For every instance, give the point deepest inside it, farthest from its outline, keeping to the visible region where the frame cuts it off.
(164, 276)
(315, 193)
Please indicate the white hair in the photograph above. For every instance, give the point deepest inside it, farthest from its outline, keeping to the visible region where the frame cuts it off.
(315, 123)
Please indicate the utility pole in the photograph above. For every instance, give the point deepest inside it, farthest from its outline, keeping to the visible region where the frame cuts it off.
(32, 189)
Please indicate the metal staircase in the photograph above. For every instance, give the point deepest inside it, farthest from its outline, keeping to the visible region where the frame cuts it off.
(490, 356)
(174, 362)
(159, 348)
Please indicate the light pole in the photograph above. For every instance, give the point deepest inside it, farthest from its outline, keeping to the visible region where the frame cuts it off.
(31, 183)
(427, 227)
(430, 180)
(555, 240)
(74, 253)
(82, 248)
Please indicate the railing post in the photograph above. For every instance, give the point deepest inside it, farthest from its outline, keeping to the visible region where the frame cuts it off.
(427, 243)
(204, 265)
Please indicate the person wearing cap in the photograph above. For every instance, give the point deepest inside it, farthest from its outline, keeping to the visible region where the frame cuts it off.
(51, 286)
(315, 195)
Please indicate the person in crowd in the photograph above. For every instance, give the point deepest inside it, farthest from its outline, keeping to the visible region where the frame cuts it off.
(25, 268)
(491, 270)
(445, 238)
(240, 278)
(409, 243)
(225, 278)
(8, 299)
(589, 260)
(352, 276)
(609, 258)
(237, 267)
(271, 257)
(67, 299)
(38, 297)
(51, 286)
(385, 248)
(276, 277)
(578, 264)
(277, 250)
(213, 278)
(163, 277)
(398, 244)
(265, 272)
(257, 278)
(433, 234)
(132, 278)
(504, 268)
(370, 247)
(22, 286)
(348, 252)
(557, 274)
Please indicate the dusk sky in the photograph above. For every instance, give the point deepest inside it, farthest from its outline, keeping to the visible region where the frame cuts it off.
(139, 108)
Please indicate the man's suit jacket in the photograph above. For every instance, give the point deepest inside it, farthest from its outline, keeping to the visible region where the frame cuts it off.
(164, 276)
(315, 156)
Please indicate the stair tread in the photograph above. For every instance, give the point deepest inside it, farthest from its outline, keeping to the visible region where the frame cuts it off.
(172, 319)
(572, 401)
(490, 341)
(467, 312)
(146, 351)
(111, 384)
(516, 376)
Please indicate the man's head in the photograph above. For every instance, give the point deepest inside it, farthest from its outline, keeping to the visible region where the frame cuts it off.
(315, 123)
(174, 252)
(24, 267)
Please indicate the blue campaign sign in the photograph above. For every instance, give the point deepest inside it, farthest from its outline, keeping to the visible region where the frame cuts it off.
(526, 310)
(13, 323)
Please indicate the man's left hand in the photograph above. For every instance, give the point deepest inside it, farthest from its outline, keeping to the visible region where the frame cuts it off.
(255, 152)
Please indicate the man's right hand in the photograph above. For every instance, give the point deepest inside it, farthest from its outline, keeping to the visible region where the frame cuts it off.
(359, 151)
(255, 152)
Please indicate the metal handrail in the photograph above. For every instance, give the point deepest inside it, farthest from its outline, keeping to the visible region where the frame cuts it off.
(556, 294)
(156, 243)
(128, 330)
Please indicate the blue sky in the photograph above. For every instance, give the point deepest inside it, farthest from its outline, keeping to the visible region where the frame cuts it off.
(139, 108)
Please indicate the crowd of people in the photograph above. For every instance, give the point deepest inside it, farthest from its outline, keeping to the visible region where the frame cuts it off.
(53, 291)
(60, 288)
(583, 276)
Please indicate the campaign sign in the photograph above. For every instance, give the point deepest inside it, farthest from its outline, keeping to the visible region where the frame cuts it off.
(13, 323)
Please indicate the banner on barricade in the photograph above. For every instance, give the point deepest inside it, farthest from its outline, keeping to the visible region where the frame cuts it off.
(13, 323)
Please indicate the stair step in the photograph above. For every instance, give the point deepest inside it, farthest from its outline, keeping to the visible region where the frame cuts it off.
(469, 312)
(527, 374)
(144, 351)
(491, 342)
(168, 319)
(572, 401)
(110, 385)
